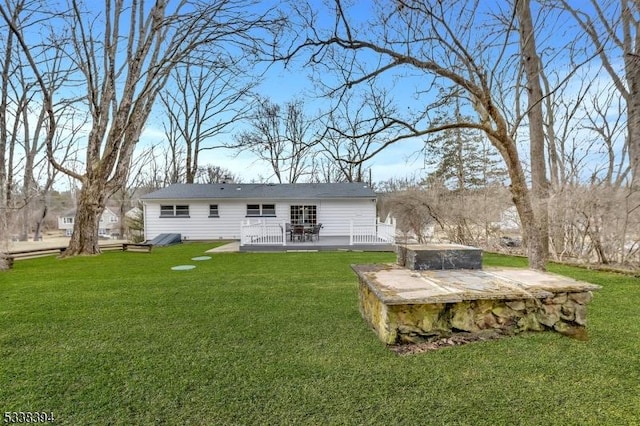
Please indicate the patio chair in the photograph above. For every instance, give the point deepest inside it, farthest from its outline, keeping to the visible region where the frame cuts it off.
(315, 232)
(288, 231)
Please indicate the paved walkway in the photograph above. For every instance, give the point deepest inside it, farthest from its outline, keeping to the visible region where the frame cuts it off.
(226, 248)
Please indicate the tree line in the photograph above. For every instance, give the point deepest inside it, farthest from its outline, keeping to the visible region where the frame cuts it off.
(549, 88)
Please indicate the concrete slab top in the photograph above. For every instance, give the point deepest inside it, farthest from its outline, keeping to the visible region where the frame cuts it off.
(395, 285)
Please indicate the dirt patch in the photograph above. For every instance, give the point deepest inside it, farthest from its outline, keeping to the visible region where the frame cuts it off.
(457, 339)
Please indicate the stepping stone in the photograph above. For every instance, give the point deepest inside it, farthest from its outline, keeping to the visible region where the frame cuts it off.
(201, 258)
(183, 267)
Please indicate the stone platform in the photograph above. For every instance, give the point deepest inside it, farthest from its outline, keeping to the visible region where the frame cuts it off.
(410, 306)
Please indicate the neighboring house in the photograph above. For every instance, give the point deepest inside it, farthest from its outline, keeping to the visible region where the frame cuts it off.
(109, 222)
(218, 211)
(509, 220)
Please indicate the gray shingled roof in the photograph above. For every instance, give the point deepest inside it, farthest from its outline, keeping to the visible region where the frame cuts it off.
(262, 191)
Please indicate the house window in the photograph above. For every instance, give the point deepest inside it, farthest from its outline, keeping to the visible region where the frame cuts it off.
(213, 210)
(182, 211)
(261, 210)
(113, 219)
(304, 215)
(253, 209)
(166, 211)
(268, 210)
(67, 220)
(174, 211)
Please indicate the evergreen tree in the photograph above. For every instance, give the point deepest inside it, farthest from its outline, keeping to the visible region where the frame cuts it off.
(463, 159)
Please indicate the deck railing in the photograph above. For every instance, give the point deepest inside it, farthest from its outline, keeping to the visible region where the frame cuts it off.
(380, 233)
(262, 234)
(269, 234)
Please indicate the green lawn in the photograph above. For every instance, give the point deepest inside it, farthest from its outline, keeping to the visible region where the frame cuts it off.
(276, 338)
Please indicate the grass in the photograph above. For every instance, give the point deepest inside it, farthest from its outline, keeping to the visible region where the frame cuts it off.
(276, 338)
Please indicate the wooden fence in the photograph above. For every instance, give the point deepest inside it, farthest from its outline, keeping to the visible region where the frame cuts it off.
(50, 251)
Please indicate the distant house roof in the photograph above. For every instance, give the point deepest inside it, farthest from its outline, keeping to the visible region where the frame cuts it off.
(133, 213)
(72, 213)
(262, 191)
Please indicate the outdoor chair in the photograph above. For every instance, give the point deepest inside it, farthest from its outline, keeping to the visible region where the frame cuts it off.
(315, 232)
(287, 230)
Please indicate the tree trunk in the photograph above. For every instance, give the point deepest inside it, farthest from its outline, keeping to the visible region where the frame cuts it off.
(539, 185)
(91, 204)
(531, 235)
(38, 229)
(5, 261)
(633, 121)
(123, 216)
(24, 225)
(190, 164)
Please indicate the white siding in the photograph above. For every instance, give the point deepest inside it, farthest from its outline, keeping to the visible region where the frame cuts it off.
(335, 215)
(108, 220)
(64, 226)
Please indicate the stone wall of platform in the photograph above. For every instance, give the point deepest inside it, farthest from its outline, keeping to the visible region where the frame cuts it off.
(412, 323)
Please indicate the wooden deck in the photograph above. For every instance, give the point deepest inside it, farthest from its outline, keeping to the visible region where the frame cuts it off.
(329, 243)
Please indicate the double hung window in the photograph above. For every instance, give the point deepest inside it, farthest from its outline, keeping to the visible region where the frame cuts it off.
(261, 210)
(174, 210)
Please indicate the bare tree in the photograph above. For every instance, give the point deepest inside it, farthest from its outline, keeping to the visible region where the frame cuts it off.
(594, 211)
(416, 210)
(533, 68)
(7, 137)
(588, 146)
(613, 28)
(40, 175)
(451, 45)
(25, 174)
(325, 169)
(350, 132)
(126, 196)
(283, 137)
(160, 168)
(124, 56)
(201, 101)
(216, 174)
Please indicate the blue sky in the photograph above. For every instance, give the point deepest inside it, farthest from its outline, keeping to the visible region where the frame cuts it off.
(281, 85)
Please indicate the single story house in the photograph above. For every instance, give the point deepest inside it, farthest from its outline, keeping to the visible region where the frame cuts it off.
(109, 222)
(226, 211)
